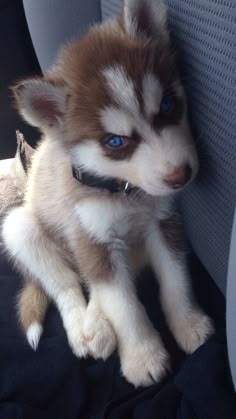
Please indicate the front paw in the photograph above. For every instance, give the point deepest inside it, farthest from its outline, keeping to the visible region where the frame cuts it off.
(98, 333)
(145, 362)
(78, 342)
(193, 330)
(73, 324)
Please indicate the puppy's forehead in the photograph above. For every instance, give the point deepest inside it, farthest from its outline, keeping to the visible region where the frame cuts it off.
(133, 95)
(152, 94)
(121, 87)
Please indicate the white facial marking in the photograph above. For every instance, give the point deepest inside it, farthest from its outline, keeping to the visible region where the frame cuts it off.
(152, 94)
(116, 121)
(90, 156)
(155, 157)
(122, 88)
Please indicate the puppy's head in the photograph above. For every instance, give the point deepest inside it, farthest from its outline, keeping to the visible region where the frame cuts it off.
(116, 102)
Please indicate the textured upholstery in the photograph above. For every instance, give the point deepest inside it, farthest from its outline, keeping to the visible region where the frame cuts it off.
(204, 32)
(231, 306)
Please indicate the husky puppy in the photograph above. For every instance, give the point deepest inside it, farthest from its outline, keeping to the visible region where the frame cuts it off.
(116, 146)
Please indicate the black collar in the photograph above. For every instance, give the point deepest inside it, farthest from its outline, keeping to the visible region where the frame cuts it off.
(109, 184)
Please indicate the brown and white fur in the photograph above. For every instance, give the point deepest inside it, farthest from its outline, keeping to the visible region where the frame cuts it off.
(110, 82)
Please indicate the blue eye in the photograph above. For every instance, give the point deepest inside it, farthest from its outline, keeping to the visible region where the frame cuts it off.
(167, 104)
(116, 141)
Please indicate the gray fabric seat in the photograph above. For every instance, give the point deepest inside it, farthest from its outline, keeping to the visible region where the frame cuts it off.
(204, 32)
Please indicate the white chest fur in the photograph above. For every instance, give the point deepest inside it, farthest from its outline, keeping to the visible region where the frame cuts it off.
(105, 219)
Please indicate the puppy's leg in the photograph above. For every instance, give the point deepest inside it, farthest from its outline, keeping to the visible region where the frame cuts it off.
(36, 253)
(190, 326)
(142, 354)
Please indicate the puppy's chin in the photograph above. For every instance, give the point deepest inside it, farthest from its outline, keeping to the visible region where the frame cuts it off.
(162, 190)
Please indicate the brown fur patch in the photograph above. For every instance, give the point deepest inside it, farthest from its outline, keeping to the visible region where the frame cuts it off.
(94, 259)
(173, 233)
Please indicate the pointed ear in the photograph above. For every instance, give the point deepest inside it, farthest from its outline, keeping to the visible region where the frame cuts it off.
(146, 19)
(40, 102)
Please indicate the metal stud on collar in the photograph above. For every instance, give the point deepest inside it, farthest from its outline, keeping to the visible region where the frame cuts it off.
(126, 188)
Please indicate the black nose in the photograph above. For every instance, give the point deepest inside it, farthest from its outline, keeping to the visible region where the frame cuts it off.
(179, 177)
